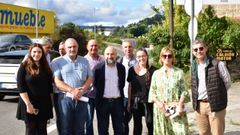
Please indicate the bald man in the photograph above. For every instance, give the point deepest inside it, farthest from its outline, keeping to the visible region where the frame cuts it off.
(109, 80)
(93, 59)
(73, 76)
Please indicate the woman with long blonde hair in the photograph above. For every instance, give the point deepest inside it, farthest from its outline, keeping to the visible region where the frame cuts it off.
(168, 93)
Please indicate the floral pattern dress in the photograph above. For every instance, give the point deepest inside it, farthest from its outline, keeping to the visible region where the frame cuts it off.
(168, 89)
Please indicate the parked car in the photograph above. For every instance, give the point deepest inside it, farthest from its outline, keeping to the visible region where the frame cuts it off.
(11, 42)
(9, 64)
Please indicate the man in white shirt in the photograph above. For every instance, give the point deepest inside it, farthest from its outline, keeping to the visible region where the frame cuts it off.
(128, 60)
(109, 80)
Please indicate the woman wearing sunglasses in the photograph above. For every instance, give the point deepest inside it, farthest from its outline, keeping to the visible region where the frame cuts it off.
(168, 93)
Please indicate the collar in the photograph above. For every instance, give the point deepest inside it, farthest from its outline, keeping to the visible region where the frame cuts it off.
(69, 59)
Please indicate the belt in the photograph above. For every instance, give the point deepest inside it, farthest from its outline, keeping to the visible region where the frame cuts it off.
(111, 99)
(203, 100)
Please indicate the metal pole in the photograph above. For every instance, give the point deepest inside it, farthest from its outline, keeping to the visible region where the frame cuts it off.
(171, 23)
(192, 33)
(94, 28)
(37, 20)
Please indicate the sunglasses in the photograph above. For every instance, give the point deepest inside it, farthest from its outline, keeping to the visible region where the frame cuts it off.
(198, 49)
(169, 56)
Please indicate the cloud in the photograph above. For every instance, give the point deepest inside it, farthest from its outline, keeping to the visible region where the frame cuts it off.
(88, 12)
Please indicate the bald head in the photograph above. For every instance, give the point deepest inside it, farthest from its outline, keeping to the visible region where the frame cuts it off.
(92, 48)
(110, 55)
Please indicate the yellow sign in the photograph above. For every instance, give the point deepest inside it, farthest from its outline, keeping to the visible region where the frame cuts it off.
(225, 54)
(23, 20)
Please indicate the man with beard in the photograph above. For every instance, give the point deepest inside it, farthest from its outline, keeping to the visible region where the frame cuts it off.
(109, 80)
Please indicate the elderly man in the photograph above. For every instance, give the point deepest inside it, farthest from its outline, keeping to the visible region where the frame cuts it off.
(93, 59)
(128, 60)
(73, 76)
(61, 49)
(109, 81)
(46, 43)
(210, 82)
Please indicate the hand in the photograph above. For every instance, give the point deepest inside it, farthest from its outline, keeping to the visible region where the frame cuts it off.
(161, 106)
(129, 107)
(76, 93)
(30, 108)
(180, 110)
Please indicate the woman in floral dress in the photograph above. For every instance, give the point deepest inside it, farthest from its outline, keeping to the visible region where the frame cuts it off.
(168, 89)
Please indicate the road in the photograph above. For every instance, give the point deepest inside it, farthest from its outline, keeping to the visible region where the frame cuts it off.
(9, 125)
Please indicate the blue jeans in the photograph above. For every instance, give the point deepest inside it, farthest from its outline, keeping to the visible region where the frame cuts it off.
(127, 117)
(73, 116)
(113, 108)
(89, 123)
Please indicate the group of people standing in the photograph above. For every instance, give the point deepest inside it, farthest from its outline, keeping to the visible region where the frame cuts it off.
(121, 89)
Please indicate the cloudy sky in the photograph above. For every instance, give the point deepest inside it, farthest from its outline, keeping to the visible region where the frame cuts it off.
(89, 12)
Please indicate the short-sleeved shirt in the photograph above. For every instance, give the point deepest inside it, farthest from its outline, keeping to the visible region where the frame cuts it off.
(92, 62)
(73, 73)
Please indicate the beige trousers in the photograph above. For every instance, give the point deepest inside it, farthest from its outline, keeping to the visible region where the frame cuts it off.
(210, 123)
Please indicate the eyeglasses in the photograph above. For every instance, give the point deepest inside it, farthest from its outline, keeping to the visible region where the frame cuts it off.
(141, 56)
(198, 49)
(169, 56)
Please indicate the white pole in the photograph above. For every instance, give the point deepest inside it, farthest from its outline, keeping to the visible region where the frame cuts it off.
(94, 29)
(37, 20)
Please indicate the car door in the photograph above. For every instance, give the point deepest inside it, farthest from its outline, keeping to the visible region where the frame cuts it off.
(22, 42)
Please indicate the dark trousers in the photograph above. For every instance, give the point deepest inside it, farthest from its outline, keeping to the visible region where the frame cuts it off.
(144, 109)
(89, 123)
(113, 108)
(57, 97)
(127, 117)
(38, 127)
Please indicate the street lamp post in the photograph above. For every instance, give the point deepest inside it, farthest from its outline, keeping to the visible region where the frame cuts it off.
(171, 23)
(94, 27)
(37, 20)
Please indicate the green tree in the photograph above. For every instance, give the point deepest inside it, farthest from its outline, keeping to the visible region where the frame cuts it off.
(70, 30)
(160, 37)
(231, 37)
(212, 29)
(138, 30)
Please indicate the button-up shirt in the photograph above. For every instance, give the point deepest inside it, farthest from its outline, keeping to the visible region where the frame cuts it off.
(111, 89)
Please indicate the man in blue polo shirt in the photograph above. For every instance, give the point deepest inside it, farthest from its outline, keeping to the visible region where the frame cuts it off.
(73, 76)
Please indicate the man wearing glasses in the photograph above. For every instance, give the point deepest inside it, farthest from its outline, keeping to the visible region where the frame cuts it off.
(210, 81)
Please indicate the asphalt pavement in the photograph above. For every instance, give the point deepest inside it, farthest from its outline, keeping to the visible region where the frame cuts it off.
(232, 116)
(10, 126)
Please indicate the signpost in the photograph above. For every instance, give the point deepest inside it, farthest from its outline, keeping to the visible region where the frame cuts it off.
(225, 54)
(192, 8)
